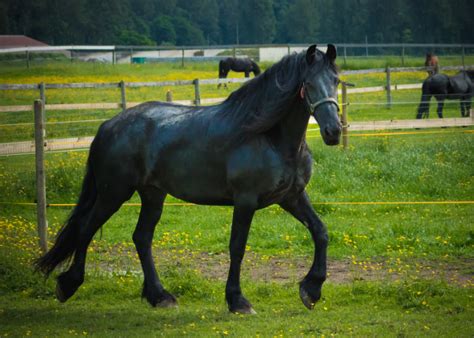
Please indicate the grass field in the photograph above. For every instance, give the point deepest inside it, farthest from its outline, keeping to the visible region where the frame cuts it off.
(17, 126)
(401, 270)
(398, 270)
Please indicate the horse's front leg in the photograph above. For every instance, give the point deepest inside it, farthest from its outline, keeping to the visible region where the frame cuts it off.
(462, 105)
(310, 286)
(440, 108)
(244, 210)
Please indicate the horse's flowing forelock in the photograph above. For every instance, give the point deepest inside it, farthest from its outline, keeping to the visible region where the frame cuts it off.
(263, 101)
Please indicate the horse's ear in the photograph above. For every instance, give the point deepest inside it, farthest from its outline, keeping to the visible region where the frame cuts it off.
(310, 54)
(331, 52)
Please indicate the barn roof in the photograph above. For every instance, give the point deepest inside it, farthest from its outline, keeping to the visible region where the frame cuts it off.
(10, 41)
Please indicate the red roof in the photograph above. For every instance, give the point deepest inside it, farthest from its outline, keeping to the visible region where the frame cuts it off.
(11, 41)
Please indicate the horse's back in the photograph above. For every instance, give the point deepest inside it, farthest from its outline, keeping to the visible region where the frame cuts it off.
(436, 84)
(460, 85)
(127, 143)
(178, 149)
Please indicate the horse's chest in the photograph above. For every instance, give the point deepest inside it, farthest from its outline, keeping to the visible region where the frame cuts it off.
(292, 179)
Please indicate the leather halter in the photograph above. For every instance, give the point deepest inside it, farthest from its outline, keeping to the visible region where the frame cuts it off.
(313, 105)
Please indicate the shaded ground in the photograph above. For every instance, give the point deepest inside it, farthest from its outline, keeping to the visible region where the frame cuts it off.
(123, 259)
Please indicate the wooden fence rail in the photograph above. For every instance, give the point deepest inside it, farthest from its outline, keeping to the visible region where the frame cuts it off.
(42, 87)
(72, 143)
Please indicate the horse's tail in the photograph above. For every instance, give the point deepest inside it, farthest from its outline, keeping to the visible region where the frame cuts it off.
(423, 108)
(256, 69)
(66, 240)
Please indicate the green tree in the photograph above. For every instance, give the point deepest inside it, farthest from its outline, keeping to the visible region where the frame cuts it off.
(162, 30)
(228, 21)
(205, 15)
(132, 38)
(257, 21)
(301, 22)
(187, 33)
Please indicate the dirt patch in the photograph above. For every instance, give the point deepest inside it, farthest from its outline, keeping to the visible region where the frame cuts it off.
(264, 268)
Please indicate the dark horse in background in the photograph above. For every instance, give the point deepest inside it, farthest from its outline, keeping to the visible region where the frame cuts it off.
(442, 87)
(242, 65)
(248, 152)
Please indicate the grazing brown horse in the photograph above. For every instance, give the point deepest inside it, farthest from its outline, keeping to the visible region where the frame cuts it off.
(431, 64)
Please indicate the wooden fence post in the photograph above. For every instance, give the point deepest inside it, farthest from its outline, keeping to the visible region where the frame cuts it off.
(388, 88)
(345, 103)
(42, 90)
(122, 94)
(169, 96)
(197, 94)
(182, 58)
(40, 176)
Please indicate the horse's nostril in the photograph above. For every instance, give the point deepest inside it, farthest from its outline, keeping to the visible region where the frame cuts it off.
(332, 131)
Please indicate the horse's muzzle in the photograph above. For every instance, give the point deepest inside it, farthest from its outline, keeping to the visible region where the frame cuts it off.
(332, 134)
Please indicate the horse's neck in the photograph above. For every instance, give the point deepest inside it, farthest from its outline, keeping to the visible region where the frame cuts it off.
(293, 127)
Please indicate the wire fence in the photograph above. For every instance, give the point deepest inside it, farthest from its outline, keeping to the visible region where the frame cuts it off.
(191, 54)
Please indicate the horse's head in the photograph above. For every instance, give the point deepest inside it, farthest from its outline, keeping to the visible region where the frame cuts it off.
(256, 69)
(319, 91)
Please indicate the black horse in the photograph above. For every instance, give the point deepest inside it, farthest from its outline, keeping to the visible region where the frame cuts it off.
(244, 65)
(442, 87)
(248, 152)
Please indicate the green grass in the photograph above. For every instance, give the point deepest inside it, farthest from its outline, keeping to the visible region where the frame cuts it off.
(18, 126)
(394, 168)
(395, 270)
(359, 309)
(408, 269)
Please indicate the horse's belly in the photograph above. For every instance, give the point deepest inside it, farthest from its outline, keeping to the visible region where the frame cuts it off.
(194, 176)
(200, 189)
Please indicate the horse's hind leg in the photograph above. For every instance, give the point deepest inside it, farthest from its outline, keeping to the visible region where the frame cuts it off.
(150, 213)
(70, 280)
(424, 107)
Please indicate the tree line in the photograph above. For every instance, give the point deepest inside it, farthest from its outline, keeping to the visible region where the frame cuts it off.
(213, 22)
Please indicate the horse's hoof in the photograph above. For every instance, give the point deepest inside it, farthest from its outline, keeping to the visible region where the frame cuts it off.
(66, 287)
(167, 303)
(239, 305)
(244, 311)
(165, 300)
(307, 298)
(60, 294)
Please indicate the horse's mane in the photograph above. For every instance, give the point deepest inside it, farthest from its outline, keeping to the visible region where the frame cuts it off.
(263, 101)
